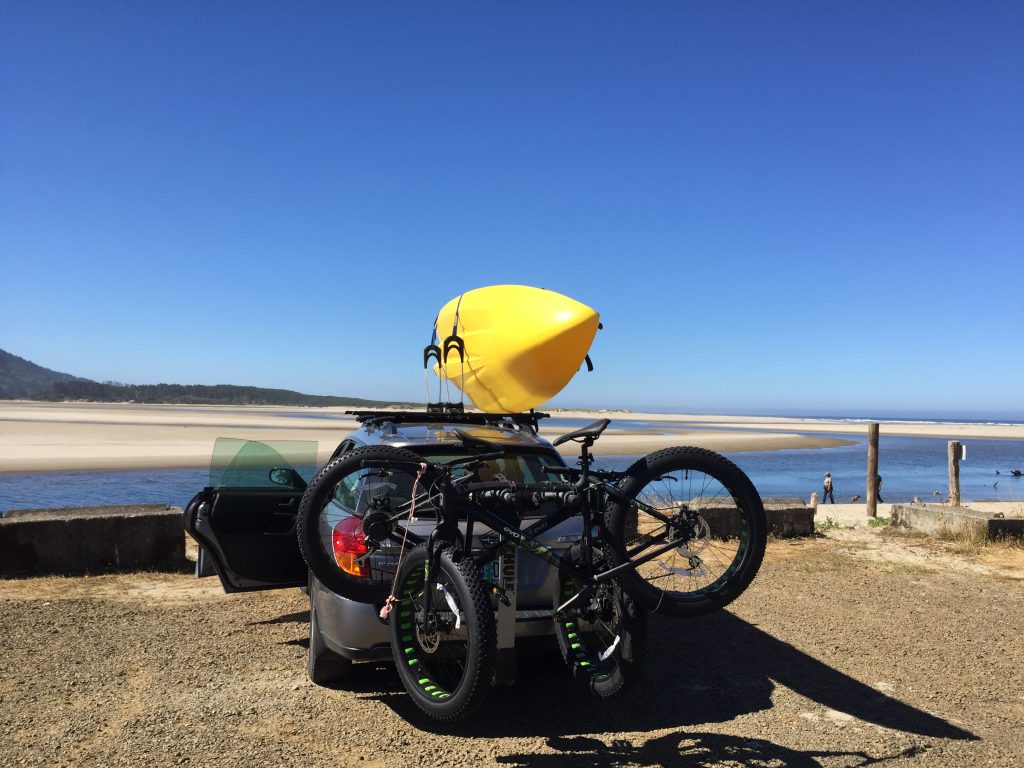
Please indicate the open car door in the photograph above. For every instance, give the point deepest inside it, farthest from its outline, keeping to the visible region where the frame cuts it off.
(244, 520)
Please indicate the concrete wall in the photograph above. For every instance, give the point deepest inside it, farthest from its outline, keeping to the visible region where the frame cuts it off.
(786, 518)
(81, 540)
(932, 519)
(789, 517)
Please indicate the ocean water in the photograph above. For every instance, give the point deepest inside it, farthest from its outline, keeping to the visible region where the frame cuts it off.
(909, 466)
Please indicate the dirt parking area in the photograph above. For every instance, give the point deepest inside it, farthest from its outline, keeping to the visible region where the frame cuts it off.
(854, 648)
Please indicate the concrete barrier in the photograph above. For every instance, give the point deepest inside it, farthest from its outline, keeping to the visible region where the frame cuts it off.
(78, 540)
(789, 517)
(988, 520)
(786, 518)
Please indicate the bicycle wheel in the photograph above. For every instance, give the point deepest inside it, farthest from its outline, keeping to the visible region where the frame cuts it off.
(698, 520)
(349, 498)
(603, 642)
(445, 658)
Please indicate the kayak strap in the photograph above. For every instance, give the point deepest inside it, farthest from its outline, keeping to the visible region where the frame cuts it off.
(455, 342)
(431, 351)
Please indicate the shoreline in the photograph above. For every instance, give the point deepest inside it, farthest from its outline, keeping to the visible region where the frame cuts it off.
(38, 437)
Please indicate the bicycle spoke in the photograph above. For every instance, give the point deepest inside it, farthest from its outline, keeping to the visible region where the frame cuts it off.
(692, 503)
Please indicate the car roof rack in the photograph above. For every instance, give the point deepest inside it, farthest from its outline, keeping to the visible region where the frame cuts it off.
(449, 413)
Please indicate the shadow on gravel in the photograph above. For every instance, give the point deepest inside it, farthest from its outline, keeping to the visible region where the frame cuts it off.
(299, 617)
(707, 670)
(690, 750)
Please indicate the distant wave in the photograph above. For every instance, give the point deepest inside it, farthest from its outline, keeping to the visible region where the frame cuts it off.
(979, 422)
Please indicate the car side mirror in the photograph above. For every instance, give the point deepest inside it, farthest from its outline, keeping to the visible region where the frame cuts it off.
(286, 476)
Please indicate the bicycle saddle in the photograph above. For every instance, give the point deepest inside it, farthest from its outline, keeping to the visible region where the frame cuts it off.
(592, 431)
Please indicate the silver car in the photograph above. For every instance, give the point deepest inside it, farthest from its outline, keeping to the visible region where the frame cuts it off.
(245, 520)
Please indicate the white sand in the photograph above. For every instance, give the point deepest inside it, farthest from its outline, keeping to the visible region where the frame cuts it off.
(70, 436)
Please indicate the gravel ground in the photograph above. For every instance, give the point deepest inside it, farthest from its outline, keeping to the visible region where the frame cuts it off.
(854, 648)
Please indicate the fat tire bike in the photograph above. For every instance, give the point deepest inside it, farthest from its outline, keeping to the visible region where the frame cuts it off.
(681, 532)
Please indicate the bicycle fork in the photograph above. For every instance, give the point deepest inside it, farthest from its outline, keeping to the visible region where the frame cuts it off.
(432, 566)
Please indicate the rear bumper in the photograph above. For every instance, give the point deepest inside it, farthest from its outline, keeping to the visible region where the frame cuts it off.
(356, 631)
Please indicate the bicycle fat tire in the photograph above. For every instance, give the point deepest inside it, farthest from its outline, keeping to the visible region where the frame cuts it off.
(584, 639)
(446, 671)
(716, 516)
(321, 510)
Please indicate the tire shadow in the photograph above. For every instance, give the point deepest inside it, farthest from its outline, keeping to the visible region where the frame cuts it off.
(706, 670)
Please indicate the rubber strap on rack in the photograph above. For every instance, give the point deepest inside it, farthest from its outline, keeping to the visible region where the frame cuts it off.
(385, 611)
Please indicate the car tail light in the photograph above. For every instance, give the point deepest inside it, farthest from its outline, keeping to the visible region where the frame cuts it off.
(349, 543)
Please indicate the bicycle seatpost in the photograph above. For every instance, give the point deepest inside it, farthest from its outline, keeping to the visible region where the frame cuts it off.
(585, 460)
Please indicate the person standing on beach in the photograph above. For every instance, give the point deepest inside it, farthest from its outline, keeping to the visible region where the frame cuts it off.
(827, 495)
(878, 488)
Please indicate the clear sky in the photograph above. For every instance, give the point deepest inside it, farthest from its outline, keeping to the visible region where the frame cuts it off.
(782, 206)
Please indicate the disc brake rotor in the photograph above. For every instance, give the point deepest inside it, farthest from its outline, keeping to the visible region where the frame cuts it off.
(429, 640)
(699, 540)
(693, 538)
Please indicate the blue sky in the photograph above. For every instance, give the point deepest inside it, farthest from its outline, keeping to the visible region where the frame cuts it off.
(783, 207)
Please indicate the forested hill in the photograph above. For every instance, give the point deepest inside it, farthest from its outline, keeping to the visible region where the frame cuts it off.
(192, 394)
(21, 379)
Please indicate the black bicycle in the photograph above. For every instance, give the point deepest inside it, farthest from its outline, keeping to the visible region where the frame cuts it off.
(681, 532)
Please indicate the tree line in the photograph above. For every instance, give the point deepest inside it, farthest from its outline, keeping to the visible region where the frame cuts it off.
(192, 394)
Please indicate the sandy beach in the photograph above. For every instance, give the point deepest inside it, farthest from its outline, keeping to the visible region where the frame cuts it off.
(78, 436)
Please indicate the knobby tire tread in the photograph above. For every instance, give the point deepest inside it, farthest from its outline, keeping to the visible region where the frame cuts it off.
(308, 524)
(650, 467)
(481, 638)
(629, 657)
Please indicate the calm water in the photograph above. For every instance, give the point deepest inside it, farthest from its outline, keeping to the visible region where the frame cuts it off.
(909, 466)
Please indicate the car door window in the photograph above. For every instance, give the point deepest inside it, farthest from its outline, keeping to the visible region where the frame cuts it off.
(273, 464)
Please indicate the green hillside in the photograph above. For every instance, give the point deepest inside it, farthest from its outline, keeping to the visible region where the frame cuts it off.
(21, 379)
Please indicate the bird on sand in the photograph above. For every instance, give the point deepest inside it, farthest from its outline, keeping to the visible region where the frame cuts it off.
(854, 499)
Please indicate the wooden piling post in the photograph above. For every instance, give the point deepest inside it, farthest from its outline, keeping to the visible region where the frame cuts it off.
(873, 469)
(954, 453)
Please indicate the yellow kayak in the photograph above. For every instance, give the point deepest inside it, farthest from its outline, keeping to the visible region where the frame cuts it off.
(521, 345)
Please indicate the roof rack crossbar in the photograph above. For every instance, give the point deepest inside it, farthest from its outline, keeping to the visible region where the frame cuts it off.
(448, 416)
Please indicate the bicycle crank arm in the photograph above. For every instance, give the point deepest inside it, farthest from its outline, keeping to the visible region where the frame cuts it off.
(584, 594)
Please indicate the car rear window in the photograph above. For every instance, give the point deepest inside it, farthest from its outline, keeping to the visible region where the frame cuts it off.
(516, 468)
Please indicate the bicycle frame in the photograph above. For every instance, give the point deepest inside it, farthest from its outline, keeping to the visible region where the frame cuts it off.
(456, 504)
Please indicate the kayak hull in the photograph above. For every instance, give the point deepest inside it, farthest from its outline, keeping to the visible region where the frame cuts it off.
(522, 345)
